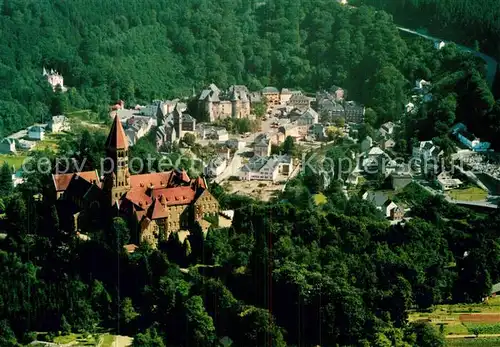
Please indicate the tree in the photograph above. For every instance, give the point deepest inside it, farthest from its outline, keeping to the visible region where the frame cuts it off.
(200, 325)
(259, 109)
(288, 145)
(150, 338)
(427, 335)
(119, 234)
(5, 180)
(59, 102)
(189, 139)
(65, 327)
(128, 313)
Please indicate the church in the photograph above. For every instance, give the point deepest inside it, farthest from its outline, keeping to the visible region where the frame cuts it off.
(157, 203)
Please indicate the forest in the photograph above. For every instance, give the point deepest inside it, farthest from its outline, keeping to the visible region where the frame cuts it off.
(110, 50)
(471, 23)
(288, 272)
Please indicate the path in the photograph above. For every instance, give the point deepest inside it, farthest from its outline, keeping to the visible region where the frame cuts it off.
(471, 336)
(122, 341)
(491, 63)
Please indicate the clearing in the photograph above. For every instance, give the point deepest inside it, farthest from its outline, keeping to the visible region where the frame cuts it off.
(464, 320)
(13, 160)
(468, 194)
(261, 190)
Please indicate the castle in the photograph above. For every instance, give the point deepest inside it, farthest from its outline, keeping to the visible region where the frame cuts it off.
(234, 103)
(158, 203)
(54, 79)
(172, 126)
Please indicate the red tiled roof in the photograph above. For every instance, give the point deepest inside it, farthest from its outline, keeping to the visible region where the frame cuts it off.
(116, 138)
(138, 197)
(157, 179)
(184, 176)
(61, 181)
(158, 210)
(139, 215)
(175, 196)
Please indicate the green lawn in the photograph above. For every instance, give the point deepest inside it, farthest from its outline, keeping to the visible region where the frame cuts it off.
(65, 339)
(468, 194)
(12, 160)
(107, 340)
(479, 342)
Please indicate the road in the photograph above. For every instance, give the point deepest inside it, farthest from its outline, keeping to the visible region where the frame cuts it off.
(233, 167)
(491, 64)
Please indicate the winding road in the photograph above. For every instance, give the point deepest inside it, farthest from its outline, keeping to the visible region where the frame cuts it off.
(491, 63)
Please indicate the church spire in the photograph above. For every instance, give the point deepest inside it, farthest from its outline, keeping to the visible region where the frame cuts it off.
(116, 138)
(116, 177)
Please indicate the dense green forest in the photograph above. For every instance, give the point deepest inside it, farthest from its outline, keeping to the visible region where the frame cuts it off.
(469, 22)
(287, 273)
(109, 50)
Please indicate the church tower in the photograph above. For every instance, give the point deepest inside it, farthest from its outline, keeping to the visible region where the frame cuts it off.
(116, 175)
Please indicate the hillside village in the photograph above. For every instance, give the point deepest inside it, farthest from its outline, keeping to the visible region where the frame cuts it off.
(252, 162)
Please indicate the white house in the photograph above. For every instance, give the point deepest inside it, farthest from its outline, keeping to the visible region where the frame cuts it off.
(216, 166)
(439, 44)
(446, 182)
(58, 124)
(387, 129)
(36, 132)
(266, 168)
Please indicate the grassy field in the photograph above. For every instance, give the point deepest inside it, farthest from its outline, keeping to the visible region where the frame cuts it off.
(479, 342)
(453, 318)
(468, 194)
(12, 160)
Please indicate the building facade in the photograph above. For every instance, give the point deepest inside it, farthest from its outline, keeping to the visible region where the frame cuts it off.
(158, 203)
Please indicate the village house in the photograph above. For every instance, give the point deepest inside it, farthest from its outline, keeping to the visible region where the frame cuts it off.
(216, 166)
(439, 44)
(354, 112)
(338, 93)
(309, 117)
(447, 182)
(262, 146)
(285, 96)
(399, 180)
(426, 156)
(8, 146)
(36, 132)
(387, 129)
(58, 124)
(266, 168)
(174, 125)
(299, 101)
(387, 144)
(157, 204)
(272, 95)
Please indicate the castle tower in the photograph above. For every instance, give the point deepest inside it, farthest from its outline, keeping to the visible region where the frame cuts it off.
(234, 105)
(116, 174)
